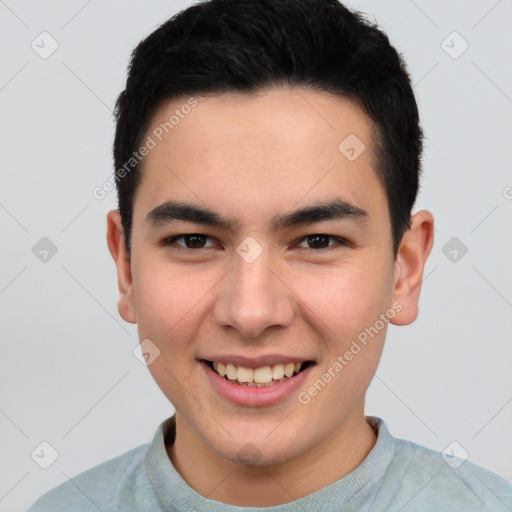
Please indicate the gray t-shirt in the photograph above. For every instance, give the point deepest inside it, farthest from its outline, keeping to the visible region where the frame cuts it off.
(397, 475)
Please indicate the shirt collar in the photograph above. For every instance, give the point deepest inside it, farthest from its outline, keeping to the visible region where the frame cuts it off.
(173, 493)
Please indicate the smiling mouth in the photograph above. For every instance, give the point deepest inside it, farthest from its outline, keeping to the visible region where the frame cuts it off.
(258, 377)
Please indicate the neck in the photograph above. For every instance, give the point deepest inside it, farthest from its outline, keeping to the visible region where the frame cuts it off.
(234, 484)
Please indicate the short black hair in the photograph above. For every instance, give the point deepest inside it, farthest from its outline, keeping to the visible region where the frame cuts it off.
(245, 46)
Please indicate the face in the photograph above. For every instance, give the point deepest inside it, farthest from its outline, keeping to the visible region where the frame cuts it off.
(254, 285)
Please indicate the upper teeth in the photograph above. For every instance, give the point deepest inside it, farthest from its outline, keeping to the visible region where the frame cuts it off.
(261, 375)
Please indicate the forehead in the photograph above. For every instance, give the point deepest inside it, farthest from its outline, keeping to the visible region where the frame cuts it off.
(270, 118)
(266, 151)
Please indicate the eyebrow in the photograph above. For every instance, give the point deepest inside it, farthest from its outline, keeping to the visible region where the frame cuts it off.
(336, 209)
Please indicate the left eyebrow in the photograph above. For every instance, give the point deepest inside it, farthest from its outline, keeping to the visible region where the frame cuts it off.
(336, 209)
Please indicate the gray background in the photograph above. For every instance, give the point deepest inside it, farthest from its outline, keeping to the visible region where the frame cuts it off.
(68, 373)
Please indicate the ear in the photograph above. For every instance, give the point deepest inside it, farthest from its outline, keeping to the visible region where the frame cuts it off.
(410, 260)
(116, 246)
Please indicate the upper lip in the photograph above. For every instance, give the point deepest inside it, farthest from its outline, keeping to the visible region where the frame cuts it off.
(255, 362)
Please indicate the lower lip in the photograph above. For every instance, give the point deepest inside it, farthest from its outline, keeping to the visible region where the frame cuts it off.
(254, 396)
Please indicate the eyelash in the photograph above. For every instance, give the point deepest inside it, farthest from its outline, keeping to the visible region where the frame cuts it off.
(341, 243)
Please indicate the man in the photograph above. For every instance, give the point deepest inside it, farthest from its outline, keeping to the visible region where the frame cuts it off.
(267, 158)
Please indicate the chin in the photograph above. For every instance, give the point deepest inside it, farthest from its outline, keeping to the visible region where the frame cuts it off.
(259, 451)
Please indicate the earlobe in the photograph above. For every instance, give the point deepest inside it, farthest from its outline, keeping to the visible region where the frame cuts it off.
(410, 261)
(116, 246)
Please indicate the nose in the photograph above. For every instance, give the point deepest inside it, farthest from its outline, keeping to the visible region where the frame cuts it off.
(253, 297)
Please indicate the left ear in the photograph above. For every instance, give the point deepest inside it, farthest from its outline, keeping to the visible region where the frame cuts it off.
(410, 260)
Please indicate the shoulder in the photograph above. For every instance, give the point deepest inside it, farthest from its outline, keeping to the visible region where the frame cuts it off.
(97, 488)
(441, 480)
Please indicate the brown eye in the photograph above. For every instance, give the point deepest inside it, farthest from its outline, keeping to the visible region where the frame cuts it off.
(319, 242)
(192, 241)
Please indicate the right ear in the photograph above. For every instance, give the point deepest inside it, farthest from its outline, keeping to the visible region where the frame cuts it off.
(116, 246)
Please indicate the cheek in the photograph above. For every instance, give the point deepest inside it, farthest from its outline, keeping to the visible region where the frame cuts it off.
(348, 298)
(166, 302)
(167, 307)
